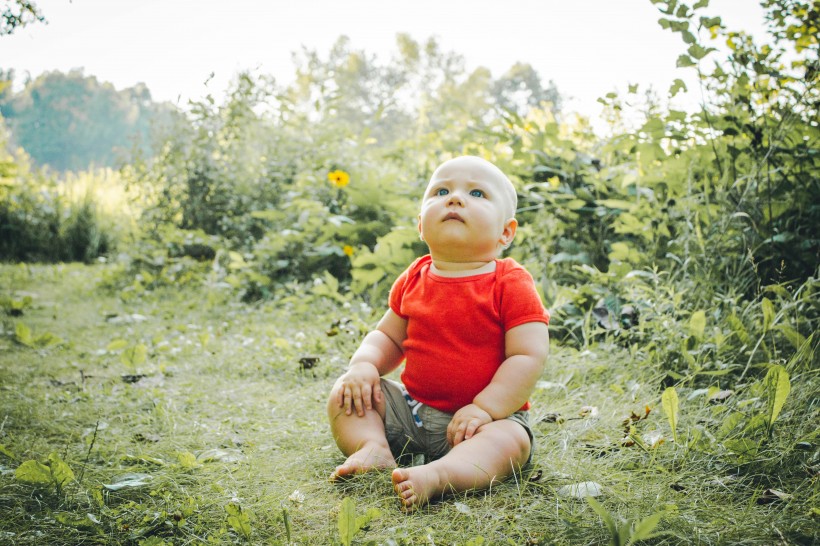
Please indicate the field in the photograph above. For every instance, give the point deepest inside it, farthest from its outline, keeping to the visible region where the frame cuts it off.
(181, 417)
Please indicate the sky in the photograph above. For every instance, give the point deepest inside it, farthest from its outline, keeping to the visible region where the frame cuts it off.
(586, 47)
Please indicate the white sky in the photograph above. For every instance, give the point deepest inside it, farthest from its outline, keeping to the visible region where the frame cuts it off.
(587, 47)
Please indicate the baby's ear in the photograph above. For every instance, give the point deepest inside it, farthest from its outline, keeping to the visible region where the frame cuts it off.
(418, 219)
(507, 236)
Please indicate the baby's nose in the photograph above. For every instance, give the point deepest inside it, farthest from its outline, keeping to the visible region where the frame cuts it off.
(455, 198)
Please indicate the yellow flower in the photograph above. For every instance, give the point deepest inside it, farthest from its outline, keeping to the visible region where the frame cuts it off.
(347, 249)
(340, 179)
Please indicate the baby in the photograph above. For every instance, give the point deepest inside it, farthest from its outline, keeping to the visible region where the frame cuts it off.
(473, 334)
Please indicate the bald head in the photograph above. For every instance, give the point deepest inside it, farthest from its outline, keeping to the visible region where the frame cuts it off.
(475, 168)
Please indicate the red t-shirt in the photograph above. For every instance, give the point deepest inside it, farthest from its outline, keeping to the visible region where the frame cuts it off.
(456, 327)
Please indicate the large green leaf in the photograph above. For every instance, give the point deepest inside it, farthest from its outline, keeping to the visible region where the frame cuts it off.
(669, 401)
(34, 473)
(697, 324)
(347, 521)
(238, 520)
(768, 313)
(778, 388)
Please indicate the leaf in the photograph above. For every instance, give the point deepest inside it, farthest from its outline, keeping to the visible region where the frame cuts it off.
(644, 528)
(677, 86)
(697, 324)
(116, 345)
(34, 473)
(47, 339)
(684, 61)
(187, 460)
(347, 521)
(730, 423)
(607, 518)
(134, 356)
(669, 401)
(698, 52)
(768, 313)
(5, 451)
(777, 388)
(286, 521)
(795, 338)
(363, 521)
(60, 471)
(744, 448)
(238, 520)
(22, 335)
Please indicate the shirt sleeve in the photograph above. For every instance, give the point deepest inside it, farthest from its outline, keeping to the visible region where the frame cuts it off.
(396, 292)
(519, 300)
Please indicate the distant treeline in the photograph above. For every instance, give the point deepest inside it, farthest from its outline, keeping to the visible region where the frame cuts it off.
(71, 121)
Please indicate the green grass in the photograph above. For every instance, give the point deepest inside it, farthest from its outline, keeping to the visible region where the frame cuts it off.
(225, 417)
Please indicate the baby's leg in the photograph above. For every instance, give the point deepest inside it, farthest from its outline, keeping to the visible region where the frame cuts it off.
(361, 439)
(496, 451)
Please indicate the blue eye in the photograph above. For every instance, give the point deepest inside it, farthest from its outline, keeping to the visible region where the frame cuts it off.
(477, 193)
(442, 191)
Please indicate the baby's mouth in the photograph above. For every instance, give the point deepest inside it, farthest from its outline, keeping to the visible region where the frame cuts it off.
(453, 216)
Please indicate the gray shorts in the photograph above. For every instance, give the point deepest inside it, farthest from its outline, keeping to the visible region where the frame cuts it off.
(413, 428)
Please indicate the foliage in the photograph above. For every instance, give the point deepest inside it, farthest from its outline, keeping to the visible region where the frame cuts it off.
(43, 218)
(624, 533)
(74, 122)
(759, 134)
(17, 14)
(54, 474)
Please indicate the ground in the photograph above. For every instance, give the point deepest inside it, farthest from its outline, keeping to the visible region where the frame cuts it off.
(188, 417)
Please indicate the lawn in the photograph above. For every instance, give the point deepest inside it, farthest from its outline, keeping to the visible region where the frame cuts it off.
(181, 416)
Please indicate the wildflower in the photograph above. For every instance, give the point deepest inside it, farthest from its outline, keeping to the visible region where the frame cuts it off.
(347, 249)
(340, 179)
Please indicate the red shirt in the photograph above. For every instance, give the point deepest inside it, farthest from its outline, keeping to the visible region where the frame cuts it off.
(456, 328)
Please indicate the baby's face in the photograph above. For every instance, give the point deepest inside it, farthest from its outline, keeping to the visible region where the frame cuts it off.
(467, 211)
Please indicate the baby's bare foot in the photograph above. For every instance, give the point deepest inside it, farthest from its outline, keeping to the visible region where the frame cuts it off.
(366, 459)
(415, 486)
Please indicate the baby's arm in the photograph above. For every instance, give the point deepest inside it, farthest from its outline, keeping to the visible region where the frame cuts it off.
(526, 350)
(379, 353)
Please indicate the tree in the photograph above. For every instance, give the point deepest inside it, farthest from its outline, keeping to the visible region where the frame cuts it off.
(519, 89)
(68, 121)
(17, 14)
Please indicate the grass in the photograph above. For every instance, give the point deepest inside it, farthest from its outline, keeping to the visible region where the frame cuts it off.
(223, 422)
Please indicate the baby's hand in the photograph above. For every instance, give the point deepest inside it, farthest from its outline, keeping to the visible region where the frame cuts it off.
(358, 388)
(465, 423)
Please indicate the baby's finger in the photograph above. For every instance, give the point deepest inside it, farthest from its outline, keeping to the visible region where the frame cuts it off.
(459, 433)
(366, 395)
(472, 426)
(357, 402)
(348, 398)
(377, 393)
